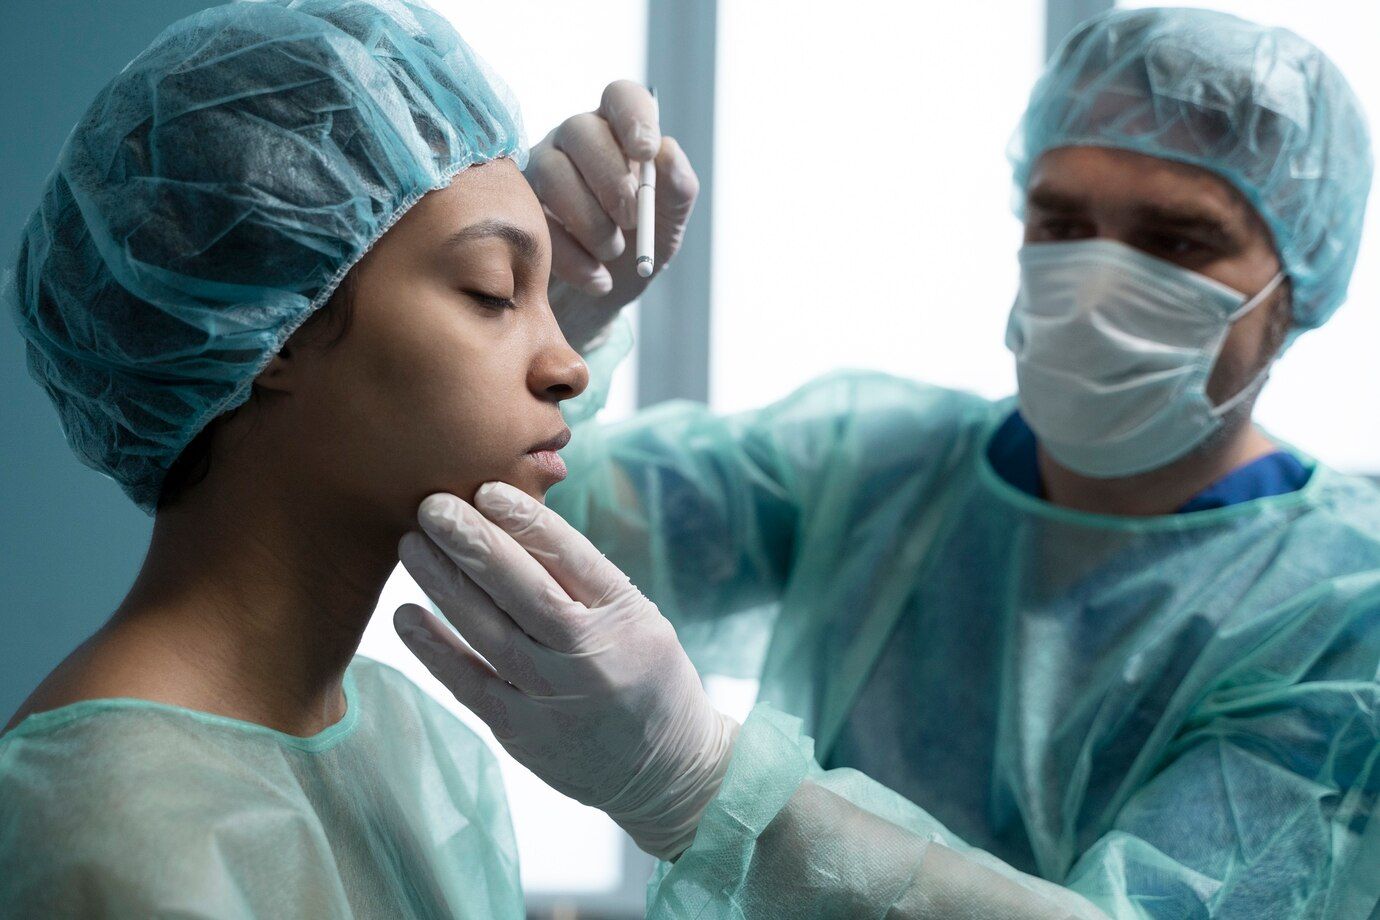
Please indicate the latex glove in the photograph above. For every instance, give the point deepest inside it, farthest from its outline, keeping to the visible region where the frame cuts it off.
(585, 174)
(585, 683)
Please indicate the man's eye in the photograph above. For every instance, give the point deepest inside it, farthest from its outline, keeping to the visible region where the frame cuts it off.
(1171, 245)
(1058, 228)
(492, 302)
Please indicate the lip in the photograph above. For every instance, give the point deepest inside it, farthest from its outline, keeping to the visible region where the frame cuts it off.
(552, 444)
(549, 462)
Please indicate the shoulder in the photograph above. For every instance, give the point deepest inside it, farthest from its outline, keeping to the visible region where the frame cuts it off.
(395, 704)
(103, 806)
(424, 745)
(853, 394)
(875, 424)
(1348, 497)
(1338, 530)
(108, 762)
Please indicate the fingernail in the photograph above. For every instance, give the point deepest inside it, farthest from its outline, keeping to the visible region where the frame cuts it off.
(643, 140)
(409, 625)
(421, 645)
(600, 284)
(497, 500)
(417, 558)
(629, 217)
(613, 248)
(436, 512)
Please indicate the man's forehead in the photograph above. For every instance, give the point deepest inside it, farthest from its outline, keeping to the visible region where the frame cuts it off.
(1089, 178)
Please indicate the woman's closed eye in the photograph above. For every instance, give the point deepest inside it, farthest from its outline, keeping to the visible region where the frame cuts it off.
(492, 301)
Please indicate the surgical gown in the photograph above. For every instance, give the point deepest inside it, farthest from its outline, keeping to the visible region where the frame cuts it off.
(127, 808)
(1027, 711)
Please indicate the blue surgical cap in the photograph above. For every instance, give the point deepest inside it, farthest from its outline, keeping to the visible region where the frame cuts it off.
(1259, 106)
(216, 193)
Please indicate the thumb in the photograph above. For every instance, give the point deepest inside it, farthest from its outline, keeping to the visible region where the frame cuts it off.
(574, 562)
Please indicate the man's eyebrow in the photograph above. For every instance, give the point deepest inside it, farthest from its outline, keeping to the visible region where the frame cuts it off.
(1185, 219)
(522, 242)
(1177, 217)
(1047, 199)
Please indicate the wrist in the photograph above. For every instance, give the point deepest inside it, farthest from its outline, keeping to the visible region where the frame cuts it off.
(683, 791)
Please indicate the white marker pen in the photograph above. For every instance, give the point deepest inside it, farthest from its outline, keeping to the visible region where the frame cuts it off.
(646, 215)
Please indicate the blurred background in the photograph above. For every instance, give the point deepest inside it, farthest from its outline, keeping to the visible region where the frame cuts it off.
(855, 212)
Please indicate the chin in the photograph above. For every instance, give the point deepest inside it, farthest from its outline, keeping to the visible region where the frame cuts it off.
(537, 490)
(531, 482)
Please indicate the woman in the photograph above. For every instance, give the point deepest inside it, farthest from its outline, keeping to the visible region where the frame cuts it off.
(286, 280)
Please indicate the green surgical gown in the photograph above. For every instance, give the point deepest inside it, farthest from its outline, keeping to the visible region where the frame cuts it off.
(1027, 711)
(126, 808)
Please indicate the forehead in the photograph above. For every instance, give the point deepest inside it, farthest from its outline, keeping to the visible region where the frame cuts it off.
(1122, 180)
(495, 191)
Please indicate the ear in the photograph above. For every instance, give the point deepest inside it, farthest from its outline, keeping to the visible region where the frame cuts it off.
(280, 374)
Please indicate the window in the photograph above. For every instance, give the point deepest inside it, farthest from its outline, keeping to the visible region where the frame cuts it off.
(862, 194)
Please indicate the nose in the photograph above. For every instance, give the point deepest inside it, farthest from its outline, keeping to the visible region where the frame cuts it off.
(557, 372)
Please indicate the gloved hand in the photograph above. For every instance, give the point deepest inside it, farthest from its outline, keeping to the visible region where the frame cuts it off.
(585, 683)
(585, 176)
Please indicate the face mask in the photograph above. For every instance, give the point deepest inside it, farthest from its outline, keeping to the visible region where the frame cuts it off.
(1113, 352)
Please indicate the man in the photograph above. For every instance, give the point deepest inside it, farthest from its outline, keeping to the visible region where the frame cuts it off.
(1109, 647)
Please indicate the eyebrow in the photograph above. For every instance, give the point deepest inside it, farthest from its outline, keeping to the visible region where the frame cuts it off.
(1049, 200)
(521, 242)
(1199, 221)
(1178, 218)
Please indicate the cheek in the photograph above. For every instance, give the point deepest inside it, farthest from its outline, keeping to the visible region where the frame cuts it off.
(433, 400)
(1242, 355)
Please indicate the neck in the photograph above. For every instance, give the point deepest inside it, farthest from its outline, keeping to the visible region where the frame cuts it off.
(250, 604)
(1159, 491)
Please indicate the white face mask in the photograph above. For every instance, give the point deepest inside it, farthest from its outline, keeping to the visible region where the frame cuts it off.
(1113, 352)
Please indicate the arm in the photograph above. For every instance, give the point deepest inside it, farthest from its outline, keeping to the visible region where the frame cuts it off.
(785, 838)
(1264, 805)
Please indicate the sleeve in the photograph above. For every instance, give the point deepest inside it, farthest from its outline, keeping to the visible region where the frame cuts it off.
(1266, 801)
(787, 839)
(1264, 805)
(709, 514)
(700, 511)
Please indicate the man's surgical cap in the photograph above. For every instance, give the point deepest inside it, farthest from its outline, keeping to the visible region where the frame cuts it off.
(1259, 106)
(216, 193)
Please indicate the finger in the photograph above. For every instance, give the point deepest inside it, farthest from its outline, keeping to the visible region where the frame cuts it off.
(563, 191)
(490, 631)
(631, 111)
(589, 142)
(677, 190)
(577, 566)
(516, 582)
(459, 669)
(573, 265)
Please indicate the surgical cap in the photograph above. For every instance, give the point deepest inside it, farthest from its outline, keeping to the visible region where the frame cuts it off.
(1258, 106)
(215, 194)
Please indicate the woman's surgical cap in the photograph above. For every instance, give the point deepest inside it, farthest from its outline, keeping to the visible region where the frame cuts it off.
(1259, 106)
(216, 193)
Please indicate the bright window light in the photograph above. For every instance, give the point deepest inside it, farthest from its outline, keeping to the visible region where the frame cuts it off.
(862, 211)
